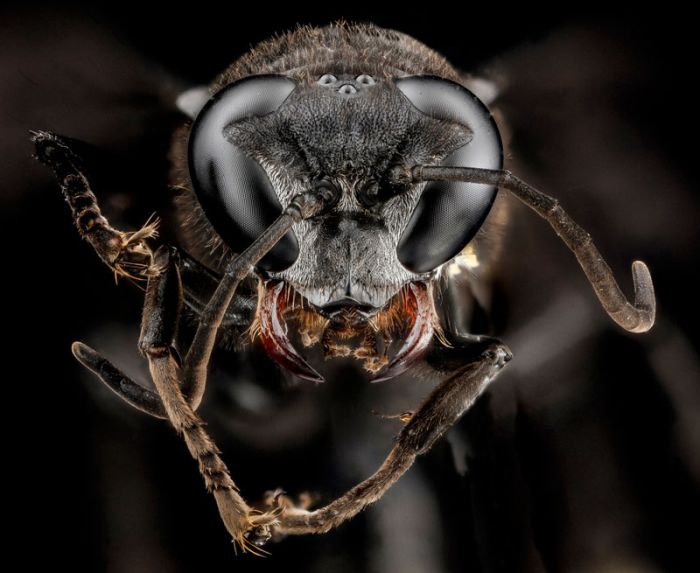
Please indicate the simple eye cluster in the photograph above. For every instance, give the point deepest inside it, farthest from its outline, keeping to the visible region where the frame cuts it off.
(241, 202)
(346, 87)
(327, 79)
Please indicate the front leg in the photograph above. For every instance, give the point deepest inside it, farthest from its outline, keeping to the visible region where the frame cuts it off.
(161, 314)
(470, 365)
(466, 370)
(126, 253)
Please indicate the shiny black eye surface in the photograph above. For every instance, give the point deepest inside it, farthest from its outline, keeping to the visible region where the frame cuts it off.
(449, 214)
(233, 189)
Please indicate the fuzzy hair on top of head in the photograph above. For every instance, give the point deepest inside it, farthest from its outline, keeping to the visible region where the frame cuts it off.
(307, 52)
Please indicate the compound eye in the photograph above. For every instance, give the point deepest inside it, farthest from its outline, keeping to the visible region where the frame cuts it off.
(233, 189)
(449, 214)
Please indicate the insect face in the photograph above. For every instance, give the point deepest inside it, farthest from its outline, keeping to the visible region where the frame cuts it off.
(264, 139)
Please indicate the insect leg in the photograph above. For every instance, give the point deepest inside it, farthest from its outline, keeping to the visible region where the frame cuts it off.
(132, 392)
(200, 283)
(160, 319)
(161, 315)
(466, 369)
(637, 317)
(126, 253)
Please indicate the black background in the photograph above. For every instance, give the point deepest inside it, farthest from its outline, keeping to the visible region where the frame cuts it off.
(583, 456)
